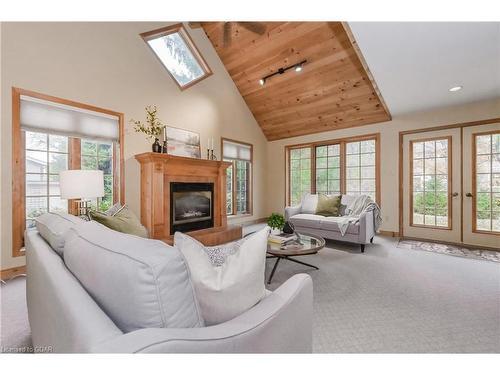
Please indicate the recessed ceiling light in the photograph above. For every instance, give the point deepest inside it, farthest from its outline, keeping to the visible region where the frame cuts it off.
(455, 88)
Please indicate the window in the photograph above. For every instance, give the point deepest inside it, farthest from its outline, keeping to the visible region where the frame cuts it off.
(360, 168)
(178, 54)
(300, 173)
(239, 176)
(99, 155)
(45, 156)
(328, 169)
(486, 198)
(342, 166)
(51, 135)
(430, 165)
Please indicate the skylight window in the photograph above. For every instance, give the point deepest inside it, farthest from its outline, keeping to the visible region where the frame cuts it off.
(178, 54)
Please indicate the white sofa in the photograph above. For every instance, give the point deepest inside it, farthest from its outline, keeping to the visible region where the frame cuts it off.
(305, 220)
(104, 291)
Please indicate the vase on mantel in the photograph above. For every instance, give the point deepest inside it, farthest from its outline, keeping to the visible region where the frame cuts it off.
(156, 145)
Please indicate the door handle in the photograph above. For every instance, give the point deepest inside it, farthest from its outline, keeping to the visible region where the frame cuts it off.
(455, 194)
(468, 195)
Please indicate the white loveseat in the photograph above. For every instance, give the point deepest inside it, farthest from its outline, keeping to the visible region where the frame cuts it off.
(305, 220)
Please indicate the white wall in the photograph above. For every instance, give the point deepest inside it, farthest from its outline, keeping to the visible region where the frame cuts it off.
(108, 65)
(389, 134)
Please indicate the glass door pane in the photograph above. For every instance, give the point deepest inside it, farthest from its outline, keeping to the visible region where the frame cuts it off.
(487, 187)
(430, 200)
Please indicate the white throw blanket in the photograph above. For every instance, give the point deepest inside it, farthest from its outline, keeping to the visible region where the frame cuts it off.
(362, 203)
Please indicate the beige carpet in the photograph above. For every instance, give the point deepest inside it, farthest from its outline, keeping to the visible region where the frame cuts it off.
(15, 332)
(393, 300)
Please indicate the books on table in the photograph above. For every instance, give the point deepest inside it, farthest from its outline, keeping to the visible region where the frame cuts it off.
(280, 238)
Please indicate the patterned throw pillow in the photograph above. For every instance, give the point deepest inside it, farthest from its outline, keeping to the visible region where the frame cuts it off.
(114, 209)
(230, 279)
(328, 205)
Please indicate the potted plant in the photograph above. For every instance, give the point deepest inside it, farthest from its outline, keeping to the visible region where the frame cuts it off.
(152, 128)
(276, 222)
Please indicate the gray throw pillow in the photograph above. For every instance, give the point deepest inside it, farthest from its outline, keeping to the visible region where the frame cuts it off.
(138, 282)
(53, 227)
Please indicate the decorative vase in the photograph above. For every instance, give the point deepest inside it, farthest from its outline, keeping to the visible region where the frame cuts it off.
(156, 145)
(164, 149)
(275, 231)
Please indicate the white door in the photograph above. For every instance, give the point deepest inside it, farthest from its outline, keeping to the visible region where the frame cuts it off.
(481, 156)
(432, 185)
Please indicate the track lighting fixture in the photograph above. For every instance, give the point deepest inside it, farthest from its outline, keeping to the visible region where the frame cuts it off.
(297, 67)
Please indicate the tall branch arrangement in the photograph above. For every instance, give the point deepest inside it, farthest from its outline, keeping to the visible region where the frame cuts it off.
(153, 126)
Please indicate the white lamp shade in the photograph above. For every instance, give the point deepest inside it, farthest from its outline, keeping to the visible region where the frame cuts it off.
(81, 184)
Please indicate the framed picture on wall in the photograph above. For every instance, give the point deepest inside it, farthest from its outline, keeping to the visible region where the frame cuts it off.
(181, 142)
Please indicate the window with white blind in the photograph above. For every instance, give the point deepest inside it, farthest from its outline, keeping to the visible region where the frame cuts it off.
(239, 176)
(340, 166)
(52, 135)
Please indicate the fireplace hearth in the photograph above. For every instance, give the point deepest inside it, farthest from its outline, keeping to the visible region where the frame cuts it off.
(191, 206)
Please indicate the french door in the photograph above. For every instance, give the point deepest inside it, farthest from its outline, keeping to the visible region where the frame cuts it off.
(482, 185)
(451, 185)
(431, 185)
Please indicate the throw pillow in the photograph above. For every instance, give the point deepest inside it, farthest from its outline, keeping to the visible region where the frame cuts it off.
(227, 281)
(309, 203)
(114, 209)
(123, 221)
(138, 282)
(328, 205)
(53, 227)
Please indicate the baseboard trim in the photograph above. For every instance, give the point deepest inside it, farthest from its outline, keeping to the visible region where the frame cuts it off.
(467, 246)
(9, 273)
(388, 233)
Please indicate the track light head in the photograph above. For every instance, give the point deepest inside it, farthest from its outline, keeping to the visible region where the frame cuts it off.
(262, 81)
(298, 68)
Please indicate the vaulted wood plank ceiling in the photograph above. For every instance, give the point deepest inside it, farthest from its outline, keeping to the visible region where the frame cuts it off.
(333, 91)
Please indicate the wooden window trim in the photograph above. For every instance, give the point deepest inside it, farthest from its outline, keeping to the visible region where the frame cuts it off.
(250, 178)
(18, 161)
(179, 27)
(342, 142)
(474, 185)
(450, 183)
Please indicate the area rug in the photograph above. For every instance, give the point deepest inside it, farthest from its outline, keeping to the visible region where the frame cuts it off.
(458, 251)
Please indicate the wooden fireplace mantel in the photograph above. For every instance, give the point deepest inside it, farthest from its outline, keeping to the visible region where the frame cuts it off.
(158, 171)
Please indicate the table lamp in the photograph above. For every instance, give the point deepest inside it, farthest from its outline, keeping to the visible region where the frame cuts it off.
(82, 185)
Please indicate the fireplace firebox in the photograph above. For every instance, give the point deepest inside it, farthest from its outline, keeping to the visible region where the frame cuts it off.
(191, 206)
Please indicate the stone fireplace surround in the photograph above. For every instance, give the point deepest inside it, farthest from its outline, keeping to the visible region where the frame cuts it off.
(158, 171)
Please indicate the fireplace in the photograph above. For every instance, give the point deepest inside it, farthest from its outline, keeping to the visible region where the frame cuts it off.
(161, 177)
(191, 206)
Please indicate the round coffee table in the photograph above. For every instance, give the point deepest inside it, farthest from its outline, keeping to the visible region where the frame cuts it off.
(309, 244)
